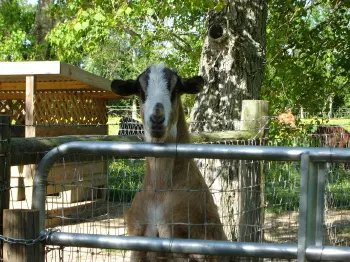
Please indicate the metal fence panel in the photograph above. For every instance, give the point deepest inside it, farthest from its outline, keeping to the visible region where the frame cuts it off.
(273, 209)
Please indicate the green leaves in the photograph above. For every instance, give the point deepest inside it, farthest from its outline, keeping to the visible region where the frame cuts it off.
(16, 21)
(150, 11)
(306, 44)
(75, 38)
(119, 38)
(99, 17)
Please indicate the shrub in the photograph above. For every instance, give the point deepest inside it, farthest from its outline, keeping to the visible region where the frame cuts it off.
(125, 179)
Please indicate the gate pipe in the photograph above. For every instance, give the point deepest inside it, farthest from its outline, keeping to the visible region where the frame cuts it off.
(188, 246)
(194, 246)
(130, 150)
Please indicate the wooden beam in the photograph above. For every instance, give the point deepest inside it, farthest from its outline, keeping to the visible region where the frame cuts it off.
(81, 75)
(59, 85)
(36, 148)
(30, 92)
(94, 94)
(13, 96)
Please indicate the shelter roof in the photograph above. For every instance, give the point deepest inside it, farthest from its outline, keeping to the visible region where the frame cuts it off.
(51, 76)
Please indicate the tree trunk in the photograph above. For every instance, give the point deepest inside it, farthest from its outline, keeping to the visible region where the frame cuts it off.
(232, 64)
(44, 22)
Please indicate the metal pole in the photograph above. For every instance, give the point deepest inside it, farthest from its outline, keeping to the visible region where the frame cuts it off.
(311, 209)
(190, 246)
(120, 149)
(194, 246)
(320, 203)
(303, 205)
(125, 149)
(328, 253)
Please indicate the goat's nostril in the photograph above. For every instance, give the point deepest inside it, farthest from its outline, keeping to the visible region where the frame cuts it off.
(157, 117)
(161, 120)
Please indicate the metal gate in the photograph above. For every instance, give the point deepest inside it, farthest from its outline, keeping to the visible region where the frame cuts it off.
(311, 206)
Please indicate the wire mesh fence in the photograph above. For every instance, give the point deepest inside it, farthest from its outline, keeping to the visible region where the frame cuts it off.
(91, 195)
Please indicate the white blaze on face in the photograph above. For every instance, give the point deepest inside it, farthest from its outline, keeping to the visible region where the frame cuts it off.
(157, 92)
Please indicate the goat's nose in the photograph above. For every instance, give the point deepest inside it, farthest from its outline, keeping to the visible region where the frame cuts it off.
(157, 116)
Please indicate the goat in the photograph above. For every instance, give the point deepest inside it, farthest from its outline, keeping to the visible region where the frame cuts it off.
(333, 136)
(174, 201)
(129, 127)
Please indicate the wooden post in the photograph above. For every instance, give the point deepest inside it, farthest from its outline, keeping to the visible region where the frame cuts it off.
(30, 91)
(251, 177)
(22, 224)
(29, 132)
(254, 116)
(5, 174)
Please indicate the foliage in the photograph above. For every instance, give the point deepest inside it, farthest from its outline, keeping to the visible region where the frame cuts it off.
(283, 187)
(281, 134)
(125, 179)
(142, 32)
(308, 54)
(16, 25)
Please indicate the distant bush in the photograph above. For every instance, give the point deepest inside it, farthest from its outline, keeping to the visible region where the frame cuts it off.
(125, 179)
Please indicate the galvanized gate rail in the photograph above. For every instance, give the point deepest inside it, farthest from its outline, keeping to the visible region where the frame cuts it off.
(311, 210)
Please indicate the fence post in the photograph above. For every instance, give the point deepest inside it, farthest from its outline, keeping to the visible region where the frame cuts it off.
(311, 206)
(22, 224)
(30, 131)
(5, 174)
(251, 176)
(254, 116)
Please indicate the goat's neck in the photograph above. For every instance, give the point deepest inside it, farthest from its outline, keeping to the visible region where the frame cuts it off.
(160, 171)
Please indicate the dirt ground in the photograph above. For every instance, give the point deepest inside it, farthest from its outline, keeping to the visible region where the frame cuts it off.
(278, 228)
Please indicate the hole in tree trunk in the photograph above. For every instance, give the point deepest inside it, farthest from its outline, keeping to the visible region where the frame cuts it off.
(216, 31)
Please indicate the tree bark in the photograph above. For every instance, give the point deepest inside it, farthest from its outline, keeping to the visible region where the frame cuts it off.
(232, 64)
(44, 22)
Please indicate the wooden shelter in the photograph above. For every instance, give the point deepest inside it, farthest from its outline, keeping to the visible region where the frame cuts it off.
(51, 98)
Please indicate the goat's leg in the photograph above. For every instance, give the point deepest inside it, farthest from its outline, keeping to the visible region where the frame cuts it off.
(138, 256)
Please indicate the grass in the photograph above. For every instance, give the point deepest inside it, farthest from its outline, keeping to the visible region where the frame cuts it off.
(340, 122)
(344, 122)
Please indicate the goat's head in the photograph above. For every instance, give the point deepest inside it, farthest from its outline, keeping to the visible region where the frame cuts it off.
(159, 89)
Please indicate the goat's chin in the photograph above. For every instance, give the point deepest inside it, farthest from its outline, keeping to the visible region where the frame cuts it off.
(157, 133)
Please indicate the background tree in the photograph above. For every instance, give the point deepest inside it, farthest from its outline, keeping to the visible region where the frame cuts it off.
(232, 66)
(307, 54)
(44, 22)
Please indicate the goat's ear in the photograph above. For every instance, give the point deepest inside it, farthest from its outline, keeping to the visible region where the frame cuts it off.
(192, 85)
(125, 87)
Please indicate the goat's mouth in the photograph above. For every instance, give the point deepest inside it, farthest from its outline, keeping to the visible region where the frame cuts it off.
(157, 131)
